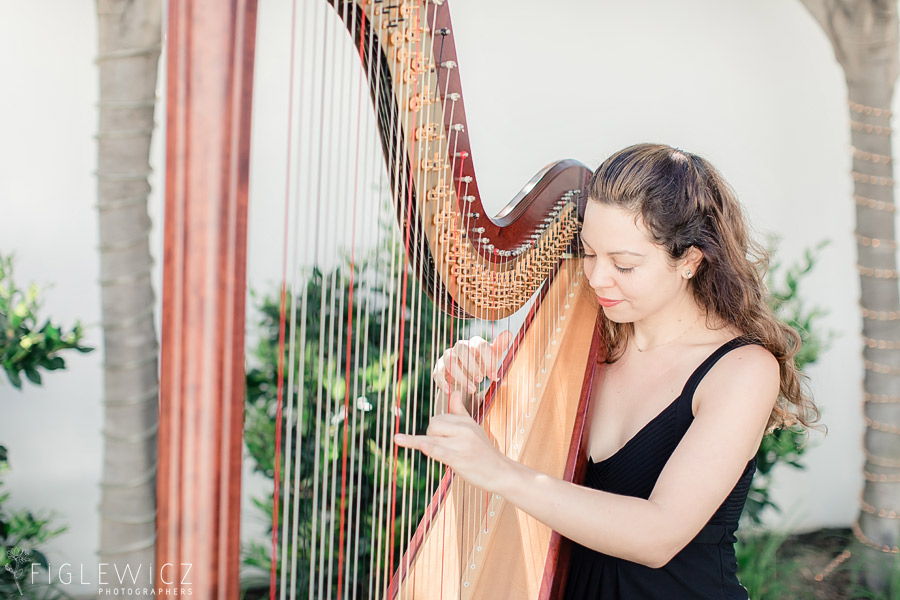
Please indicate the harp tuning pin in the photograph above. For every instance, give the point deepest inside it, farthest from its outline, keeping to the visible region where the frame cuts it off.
(489, 247)
(467, 178)
(468, 199)
(483, 240)
(430, 132)
(473, 215)
(458, 126)
(448, 64)
(548, 219)
(478, 229)
(453, 97)
(462, 154)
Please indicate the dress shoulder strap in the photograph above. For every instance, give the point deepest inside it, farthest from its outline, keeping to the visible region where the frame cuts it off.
(712, 359)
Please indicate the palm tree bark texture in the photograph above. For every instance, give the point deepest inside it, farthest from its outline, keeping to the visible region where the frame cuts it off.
(864, 35)
(129, 35)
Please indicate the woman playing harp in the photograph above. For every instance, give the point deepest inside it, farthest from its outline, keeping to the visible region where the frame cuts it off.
(668, 257)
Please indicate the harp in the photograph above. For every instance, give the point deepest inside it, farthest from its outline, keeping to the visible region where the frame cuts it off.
(431, 535)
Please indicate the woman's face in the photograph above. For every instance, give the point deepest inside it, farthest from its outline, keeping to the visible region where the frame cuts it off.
(631, 276)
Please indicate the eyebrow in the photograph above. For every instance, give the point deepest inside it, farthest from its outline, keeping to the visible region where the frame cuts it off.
(614, 252)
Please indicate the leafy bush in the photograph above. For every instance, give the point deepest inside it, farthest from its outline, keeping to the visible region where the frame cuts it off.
(786, 446)
(24, 346)
(21, 534)
(323, 372)
(27, 348)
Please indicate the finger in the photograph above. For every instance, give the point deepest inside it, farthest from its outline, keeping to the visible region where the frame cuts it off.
(461, 359)
(439, 377)
(423, 443)
(443, 373)
(473, 363)
(495, 356)
(460, 378)
(456, 406)
(413, 442)
(443, 425)
(448, 361)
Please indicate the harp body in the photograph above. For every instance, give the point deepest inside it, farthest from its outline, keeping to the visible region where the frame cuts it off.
(472, 545)
(469, 264)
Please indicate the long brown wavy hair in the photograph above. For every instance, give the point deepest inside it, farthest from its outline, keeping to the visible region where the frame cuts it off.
(684, 201)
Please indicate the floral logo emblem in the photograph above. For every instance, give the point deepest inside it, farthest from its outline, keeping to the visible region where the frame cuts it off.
(17, 558)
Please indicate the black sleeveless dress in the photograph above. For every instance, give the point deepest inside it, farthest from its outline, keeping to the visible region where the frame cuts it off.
(706, 568)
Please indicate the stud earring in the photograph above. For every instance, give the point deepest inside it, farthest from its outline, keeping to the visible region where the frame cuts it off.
(688, 274)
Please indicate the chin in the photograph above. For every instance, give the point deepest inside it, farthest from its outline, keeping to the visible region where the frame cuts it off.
(611, 315)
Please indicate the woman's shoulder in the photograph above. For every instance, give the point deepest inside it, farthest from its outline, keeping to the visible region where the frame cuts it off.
(748, 371)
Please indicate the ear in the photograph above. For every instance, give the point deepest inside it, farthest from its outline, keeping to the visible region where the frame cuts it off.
(692, 260)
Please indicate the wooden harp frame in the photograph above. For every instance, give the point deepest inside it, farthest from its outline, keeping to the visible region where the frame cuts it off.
(210, 73)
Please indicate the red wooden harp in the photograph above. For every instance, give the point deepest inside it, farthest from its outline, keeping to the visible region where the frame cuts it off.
(431, 539)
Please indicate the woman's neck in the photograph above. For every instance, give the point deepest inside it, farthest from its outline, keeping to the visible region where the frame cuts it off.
(677, 323)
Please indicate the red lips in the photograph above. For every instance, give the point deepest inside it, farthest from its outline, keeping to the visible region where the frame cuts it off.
(607, 302)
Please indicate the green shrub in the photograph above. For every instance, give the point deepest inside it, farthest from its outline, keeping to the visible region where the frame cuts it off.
(786, 446)
(27, 347)
(322, 380)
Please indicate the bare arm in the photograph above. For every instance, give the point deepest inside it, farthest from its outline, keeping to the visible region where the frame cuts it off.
(734, 403)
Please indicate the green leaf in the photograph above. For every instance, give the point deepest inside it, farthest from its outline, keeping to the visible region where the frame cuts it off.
(53, 363)
(32, 375)
(51, 332)
(14, 378)
(40, 558)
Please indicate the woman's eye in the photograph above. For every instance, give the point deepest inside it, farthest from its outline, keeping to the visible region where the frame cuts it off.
(624, 270)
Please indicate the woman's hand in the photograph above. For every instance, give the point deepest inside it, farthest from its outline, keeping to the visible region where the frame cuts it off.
(466, 364)
(456, 440)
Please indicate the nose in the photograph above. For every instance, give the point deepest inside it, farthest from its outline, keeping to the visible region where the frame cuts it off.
(600, 278)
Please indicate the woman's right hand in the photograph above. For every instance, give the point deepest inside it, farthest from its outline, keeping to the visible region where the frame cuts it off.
(468, 362)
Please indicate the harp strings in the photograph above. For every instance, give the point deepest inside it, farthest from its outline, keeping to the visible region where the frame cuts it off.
(419, 87)
(339, 424)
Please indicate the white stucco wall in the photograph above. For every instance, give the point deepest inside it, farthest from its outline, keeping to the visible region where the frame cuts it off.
(751, 85)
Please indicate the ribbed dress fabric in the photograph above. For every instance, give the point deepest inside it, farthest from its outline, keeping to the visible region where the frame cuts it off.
(706, 568)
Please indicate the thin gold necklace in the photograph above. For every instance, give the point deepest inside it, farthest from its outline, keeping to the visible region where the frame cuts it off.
(683, 333)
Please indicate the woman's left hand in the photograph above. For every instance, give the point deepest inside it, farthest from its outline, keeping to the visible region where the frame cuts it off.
(456, 440)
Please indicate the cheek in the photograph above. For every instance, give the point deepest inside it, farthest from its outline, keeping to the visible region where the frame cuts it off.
(647, 289)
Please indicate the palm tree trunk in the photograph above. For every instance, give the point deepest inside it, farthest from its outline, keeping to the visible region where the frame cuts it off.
(864, 35)
(880, 303)
(129, 48)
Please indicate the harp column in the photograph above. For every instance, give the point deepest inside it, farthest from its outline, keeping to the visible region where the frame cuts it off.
(210, 71)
